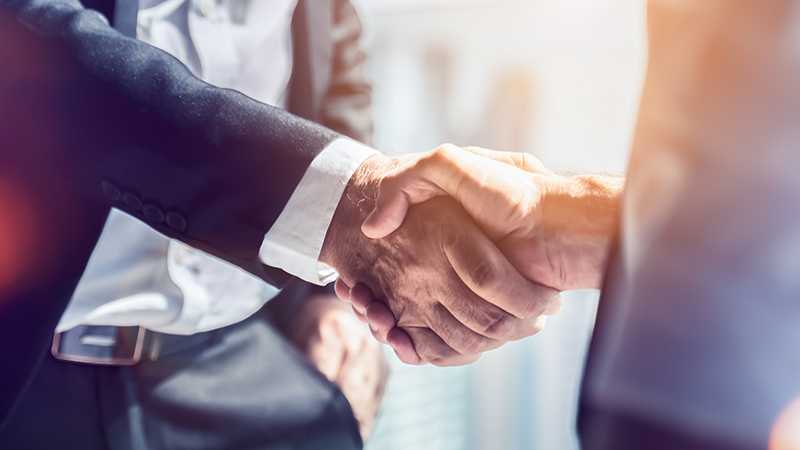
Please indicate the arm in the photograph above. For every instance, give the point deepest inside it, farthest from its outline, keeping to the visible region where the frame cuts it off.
(99, 120)
(345, 105)
(115, 106)
(92, 119)
(82, 104)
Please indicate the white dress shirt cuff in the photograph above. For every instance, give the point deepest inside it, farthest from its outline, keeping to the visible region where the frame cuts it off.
(295, 240)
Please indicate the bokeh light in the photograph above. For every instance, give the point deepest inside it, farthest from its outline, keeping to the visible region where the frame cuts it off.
(16, 235)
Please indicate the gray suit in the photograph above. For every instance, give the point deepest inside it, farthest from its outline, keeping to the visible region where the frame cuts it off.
(696, 345)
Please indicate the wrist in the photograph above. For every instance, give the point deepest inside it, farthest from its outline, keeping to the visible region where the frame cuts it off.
(343, 246)
(579, 216)
(584, 207)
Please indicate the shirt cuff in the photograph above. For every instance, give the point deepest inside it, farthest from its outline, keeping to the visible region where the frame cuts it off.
(295, 240)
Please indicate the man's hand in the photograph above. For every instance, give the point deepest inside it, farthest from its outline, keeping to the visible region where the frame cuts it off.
(446, 284)
(342, 349)
(555, 230)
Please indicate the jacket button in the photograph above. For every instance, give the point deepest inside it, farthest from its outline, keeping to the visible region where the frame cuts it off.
(110, 191)
(132, 202)
(153, 213)
(176, 221)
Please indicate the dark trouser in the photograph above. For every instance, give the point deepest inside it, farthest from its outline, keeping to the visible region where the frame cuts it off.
(241, 387)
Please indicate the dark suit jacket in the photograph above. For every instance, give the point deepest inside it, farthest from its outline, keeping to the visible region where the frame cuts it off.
(92, 119)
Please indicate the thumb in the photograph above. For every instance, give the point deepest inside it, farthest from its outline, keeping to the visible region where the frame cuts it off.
(391, 206)
(397, 191)
(448, 170)
(520, 160)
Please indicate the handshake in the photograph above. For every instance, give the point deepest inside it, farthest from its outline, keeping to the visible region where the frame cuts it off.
(453, 252)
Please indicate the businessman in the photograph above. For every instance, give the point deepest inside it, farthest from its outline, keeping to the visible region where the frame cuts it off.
(696, 339)
(94, 119)
(163, 320)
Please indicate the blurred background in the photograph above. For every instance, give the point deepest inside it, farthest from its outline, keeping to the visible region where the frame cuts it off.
(558, 79)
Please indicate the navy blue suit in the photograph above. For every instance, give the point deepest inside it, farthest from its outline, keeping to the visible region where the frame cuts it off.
(93, 118)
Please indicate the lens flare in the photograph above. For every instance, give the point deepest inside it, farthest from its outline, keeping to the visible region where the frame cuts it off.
(785, 433)
(16, 234)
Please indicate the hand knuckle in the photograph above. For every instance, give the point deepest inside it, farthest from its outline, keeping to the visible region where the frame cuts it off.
(436, 155)
(443, 154)
(533, 308)
(520, 211)
(472, 345)
(430, 355)
(485, 275)
(425, 347)
(445, 149)
(499, 326)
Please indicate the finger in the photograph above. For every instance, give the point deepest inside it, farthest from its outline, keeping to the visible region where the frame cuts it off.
(457, 335)
(391, 206)
(381, 320)
(460, 360)
(472, 180)
(397, 191)
(342, 290)
(403, 347)
(486, 319)
(439, 172)
(378, 337)
(531, 327)
(428, 345)
(521, 160)
(487, 273)
(361, 297)
(359, 315)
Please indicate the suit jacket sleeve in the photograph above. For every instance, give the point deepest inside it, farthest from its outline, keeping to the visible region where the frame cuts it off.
(131, 127)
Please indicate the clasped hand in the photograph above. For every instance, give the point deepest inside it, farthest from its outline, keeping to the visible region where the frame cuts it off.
(481, 258)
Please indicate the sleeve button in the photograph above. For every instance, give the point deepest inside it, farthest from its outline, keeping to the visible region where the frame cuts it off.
(132, 202)
(153, 214)
(110, 191)
(176, 221)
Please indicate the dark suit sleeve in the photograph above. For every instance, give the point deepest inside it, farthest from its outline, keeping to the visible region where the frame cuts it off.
(347, 106)
(130, 126)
